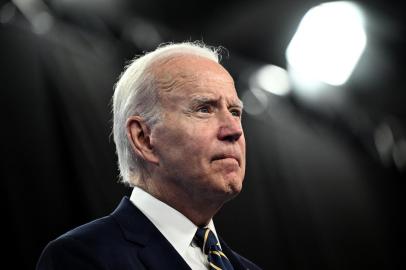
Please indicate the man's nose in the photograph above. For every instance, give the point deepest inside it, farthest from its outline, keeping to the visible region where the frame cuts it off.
(230, 128)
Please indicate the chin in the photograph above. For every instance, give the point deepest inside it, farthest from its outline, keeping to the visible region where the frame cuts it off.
(233, 186)
(224, 185)
(236, 188)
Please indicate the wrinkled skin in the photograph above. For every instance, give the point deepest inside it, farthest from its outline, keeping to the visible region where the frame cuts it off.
(199, 145)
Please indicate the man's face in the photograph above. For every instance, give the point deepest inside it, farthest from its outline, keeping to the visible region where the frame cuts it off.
(199, 142)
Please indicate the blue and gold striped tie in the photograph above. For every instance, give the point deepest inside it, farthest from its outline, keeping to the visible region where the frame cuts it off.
(210, 246)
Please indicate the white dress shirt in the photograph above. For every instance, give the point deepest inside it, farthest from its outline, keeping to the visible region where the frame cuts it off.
(176, 228)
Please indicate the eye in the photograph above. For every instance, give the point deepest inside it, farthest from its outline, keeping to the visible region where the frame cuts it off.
(235, 112)
(204, 109)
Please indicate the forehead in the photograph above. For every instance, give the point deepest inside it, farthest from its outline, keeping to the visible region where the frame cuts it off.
(189, 76)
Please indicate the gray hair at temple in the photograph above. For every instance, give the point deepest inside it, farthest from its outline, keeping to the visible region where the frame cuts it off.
(136, 93)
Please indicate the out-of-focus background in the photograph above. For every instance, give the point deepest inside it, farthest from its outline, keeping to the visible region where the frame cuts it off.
(325, 121)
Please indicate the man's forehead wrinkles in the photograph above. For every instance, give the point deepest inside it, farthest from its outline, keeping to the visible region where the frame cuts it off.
(167, 82)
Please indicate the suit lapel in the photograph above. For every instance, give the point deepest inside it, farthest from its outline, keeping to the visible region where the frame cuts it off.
(155, 252)
(159, 254)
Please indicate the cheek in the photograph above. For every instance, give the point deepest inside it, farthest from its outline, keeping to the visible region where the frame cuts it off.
(179, 143)
(195, 150)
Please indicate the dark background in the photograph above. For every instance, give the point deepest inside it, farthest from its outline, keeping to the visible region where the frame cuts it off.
(324, 189)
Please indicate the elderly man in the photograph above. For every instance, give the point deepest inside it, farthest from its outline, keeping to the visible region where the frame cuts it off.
(180, 144)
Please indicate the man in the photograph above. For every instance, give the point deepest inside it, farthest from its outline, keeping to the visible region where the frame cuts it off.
(180, 144)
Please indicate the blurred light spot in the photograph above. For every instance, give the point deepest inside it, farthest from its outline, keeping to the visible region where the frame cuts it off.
(42, 22)
(272, 79)
(255, 101)
(7, 12)
(143, 34)
(328, 43)
(384, 142)
(399, 155)
(37, 13)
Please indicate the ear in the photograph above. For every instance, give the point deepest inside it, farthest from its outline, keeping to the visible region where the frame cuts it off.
(139, 135)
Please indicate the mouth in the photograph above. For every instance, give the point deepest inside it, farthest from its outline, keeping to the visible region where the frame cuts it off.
(226, 156)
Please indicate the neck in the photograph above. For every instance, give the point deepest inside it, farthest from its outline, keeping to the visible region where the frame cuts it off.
(196, 208)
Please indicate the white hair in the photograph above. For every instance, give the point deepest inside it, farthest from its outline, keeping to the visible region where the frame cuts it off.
(136, 93)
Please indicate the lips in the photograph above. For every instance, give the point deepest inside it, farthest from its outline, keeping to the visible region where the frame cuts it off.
(226, 155)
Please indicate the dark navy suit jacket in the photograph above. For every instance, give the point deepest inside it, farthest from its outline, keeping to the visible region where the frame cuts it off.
(125, 239)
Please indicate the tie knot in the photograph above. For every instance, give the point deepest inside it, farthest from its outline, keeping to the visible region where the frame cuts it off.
(206, 240)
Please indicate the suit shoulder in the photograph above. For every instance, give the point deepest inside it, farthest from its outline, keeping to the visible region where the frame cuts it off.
(98, 244)
(66, 252)
(94, 229)
(92, 237)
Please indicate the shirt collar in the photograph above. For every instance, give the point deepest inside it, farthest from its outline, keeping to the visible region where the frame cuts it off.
(176, 228)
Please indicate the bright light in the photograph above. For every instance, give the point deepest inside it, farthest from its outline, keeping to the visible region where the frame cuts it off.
(328, 43)
(272, 79)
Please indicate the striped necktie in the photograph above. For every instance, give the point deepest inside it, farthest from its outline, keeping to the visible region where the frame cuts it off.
(210, 246)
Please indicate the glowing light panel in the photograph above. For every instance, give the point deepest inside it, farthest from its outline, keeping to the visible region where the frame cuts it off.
(328, 43)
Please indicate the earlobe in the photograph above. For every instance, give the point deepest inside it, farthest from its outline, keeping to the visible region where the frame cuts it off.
(138, 134)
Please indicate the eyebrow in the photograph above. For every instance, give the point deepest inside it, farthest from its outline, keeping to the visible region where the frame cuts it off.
(198, 100)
